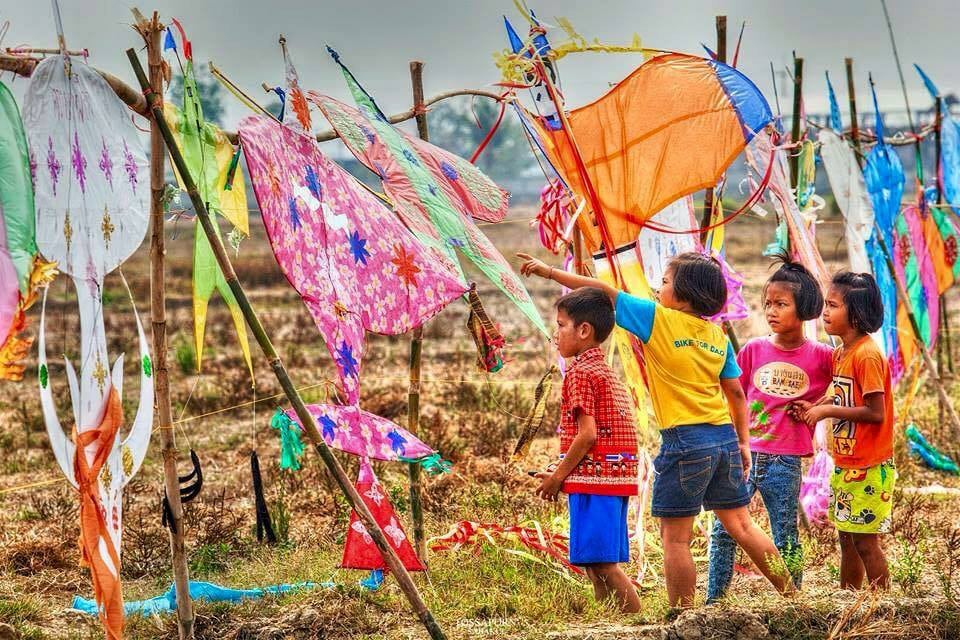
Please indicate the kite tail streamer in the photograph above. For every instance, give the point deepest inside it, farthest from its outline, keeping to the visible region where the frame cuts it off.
(94, 530)
(534, 420)
(433, 464)
(264, 525)
(931, 456)
(486, 335)
(291, 448)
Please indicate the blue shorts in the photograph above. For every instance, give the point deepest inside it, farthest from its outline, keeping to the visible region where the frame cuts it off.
(698, 466)
(598, 529)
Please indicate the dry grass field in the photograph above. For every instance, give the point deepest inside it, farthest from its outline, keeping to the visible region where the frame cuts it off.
(472, 419)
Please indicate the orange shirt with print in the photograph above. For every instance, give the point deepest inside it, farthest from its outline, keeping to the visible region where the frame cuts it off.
(859, 371)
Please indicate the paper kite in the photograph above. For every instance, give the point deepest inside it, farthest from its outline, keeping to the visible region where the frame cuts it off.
(211, 160)
(669, 129)
(21, 273)
(353, 262)
(949, 180)
(92, 199)
(359, 551)
(914, 265)
(883, 175)
(433, 209)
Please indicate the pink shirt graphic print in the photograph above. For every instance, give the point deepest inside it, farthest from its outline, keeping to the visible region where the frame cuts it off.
(773, 378)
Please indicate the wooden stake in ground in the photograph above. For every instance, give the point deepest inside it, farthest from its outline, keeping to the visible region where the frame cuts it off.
(416, 345)
(306, 419)
(151, 30)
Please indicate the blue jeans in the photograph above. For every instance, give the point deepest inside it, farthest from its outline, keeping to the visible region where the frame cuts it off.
(698, 467)
(777, 478)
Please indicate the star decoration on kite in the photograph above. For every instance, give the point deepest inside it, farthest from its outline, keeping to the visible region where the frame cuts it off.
(358, 248)
(329, 428)
(397, 441)
(406, 269)
(346, 360)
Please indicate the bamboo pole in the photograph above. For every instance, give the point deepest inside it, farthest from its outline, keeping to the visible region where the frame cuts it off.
(795, 130)
(306, 419)
(941, 299)
(852, 99)
(151, 31)
(24, 66)
(944, 343)
(708, 195)
(416, 344)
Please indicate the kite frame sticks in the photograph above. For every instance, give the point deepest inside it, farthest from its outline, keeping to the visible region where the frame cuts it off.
(306, 419)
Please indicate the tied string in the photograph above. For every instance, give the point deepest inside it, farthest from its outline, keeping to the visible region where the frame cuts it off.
(93, 517)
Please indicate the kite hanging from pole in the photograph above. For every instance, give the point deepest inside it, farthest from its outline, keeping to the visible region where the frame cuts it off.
(428, 204)
(883, 175)
(91, 200)
(22, 272)
(212, 161)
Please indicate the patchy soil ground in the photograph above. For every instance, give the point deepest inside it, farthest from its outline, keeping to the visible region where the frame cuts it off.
(473, 419)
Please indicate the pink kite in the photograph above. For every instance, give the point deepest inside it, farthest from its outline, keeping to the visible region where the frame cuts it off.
(355, 265)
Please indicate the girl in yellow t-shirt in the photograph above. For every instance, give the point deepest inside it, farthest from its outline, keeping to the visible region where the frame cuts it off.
(694, 383)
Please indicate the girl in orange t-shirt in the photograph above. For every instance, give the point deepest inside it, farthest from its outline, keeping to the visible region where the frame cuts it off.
(861, 405)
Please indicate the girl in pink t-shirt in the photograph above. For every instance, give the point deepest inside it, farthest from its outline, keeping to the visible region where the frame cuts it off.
(778, 370)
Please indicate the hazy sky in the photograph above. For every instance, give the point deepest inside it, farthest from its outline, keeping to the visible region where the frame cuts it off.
(456, 40)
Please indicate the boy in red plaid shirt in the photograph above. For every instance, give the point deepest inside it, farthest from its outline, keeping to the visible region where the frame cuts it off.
(598, 447)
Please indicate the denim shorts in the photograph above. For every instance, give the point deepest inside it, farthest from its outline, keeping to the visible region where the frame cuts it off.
(698, 466)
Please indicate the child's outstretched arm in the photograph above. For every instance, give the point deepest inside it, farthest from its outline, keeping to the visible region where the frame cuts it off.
(737, 402)
(533, 267)
(586, 437)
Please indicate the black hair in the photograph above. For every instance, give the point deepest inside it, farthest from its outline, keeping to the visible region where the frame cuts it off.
(698, 280)
(590, 305)
(807, 296)
(861, 295)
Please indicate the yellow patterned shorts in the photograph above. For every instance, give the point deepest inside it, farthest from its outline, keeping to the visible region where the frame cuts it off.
(861, 500)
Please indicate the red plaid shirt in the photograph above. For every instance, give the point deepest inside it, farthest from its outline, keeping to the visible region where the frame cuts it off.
(610, 467)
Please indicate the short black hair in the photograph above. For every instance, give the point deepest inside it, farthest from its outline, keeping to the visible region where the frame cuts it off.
(807, 296)
(698, 280)
(861, 295)
(590, 305)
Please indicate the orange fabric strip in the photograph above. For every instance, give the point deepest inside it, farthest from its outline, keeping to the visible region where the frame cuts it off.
(93, 518)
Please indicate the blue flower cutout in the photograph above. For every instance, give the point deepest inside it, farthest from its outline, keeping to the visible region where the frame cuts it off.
(294, 214)
(397, 442)
(432, 189)
(313, 183)
(329, 427)
(346, 361)
(412, 159)
(456, 242)
(449, 171)
(358, 247)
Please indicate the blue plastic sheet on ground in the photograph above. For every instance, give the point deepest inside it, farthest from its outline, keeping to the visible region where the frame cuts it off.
(167, 603)
(207, 591)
